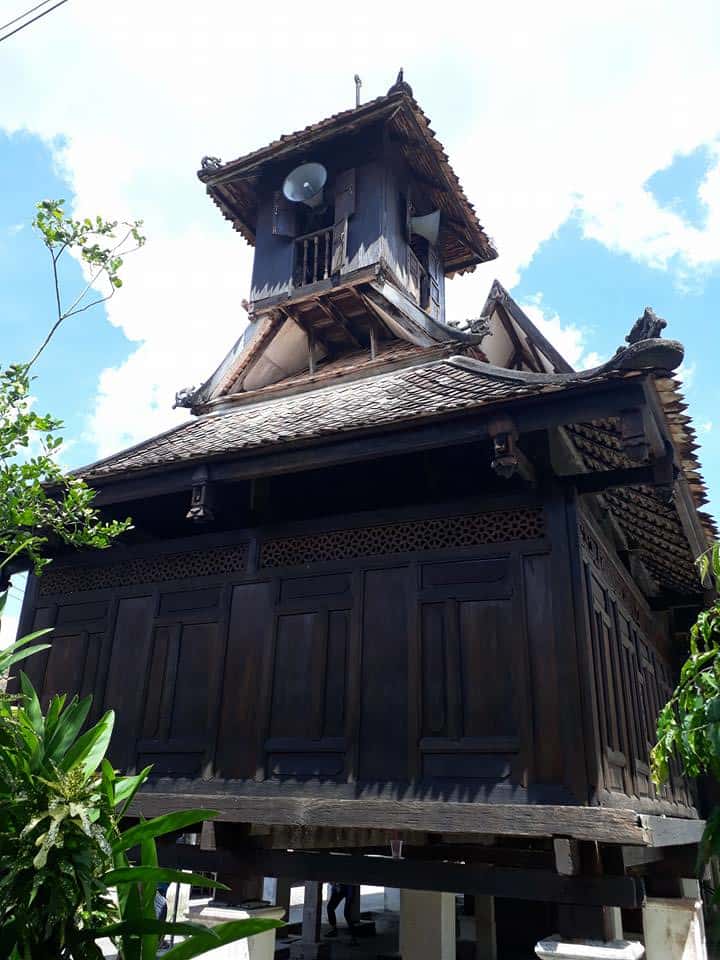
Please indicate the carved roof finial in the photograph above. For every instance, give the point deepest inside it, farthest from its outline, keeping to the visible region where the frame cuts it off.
(647, 327)
(400, 86)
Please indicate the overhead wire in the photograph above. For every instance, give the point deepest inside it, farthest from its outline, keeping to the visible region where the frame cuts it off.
(22, 16)
(28, 22)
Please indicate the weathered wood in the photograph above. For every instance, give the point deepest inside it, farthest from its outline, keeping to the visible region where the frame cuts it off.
(592, 403)
(567, 856)
(671, 831)
(583, 823)
(417, 875)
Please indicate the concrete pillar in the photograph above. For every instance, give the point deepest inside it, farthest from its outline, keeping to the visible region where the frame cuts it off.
(178, 893)
(310, 946)
(354, 905)
(427, 925)
(674, 929)
(259, 947)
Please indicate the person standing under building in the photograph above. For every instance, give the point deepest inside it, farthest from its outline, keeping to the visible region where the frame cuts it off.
(338, 893)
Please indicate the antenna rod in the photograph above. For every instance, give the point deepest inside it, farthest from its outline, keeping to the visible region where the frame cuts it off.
(358, 84)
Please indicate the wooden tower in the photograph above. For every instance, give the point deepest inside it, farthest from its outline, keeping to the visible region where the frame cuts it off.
(397, 578)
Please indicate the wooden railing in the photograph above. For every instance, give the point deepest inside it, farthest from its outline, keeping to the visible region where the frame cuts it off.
(313, 257)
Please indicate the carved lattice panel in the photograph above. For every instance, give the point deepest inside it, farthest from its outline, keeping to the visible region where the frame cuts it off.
(173, 566)
(471, 530)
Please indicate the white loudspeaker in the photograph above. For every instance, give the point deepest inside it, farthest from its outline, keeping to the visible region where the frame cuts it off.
(305, 184)
(427, 226)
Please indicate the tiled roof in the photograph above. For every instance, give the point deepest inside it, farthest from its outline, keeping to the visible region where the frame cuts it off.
(233, 185)
(411, 394)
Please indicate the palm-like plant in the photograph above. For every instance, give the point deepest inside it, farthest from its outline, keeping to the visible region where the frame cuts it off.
(62, 852)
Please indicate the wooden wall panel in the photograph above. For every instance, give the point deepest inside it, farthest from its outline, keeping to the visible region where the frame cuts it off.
(486, 669)
(546, 697)
(336, 673)
(127, 676)
(244, 677)
(298, 676)
(383, 748)
(631, 680)
(473, 682)
(66, 665)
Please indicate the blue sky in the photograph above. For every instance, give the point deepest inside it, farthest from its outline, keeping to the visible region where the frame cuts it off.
(586, 141)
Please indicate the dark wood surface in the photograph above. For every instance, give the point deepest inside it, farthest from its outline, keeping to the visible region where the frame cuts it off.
(479, 879)
(358, 672)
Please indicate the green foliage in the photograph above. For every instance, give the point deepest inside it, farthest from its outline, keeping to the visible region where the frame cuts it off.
(37, 502)
(57, 825)
(88, 237)
(689, 724)
(62, 852)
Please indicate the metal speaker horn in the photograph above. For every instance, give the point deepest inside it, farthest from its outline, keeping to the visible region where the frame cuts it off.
(305, 184)
(427, 226)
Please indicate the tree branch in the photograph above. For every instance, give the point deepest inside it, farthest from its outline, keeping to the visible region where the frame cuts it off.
(71, 311)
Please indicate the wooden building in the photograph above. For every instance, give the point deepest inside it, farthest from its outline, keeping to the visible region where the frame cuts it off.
(397, 578)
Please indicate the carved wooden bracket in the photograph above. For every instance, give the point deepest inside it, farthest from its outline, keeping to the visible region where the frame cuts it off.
(508, 458)
(633, 436)
(201, 499)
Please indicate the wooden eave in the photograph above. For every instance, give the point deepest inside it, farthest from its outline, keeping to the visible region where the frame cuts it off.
(530, 411)
(233, 186)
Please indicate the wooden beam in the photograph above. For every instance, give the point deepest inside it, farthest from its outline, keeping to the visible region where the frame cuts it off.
(604, 824)
(535, 413)
(331, 311)
(607, 479)
(518, 884)
(671, 831)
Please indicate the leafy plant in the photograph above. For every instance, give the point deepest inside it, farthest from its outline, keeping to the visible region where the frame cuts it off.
(62, 852)
(689, 723)
(37, 501)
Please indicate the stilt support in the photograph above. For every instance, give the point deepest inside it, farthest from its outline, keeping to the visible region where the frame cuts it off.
(427, 925)
(674, 929)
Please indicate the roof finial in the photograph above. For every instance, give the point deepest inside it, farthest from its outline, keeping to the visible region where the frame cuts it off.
(358, 84)
(647, 327)
(400, 86)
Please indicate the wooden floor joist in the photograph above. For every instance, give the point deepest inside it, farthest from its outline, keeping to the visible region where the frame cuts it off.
(479, 879)
(601, 824)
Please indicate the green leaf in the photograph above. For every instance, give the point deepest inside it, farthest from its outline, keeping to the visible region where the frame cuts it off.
(225, 933)
(89, 750)
(14, 658)
(32, 636)
(127, 787)
(32, 704)
(159, 826)
(145, 926)
(69, 725)
(143, 874)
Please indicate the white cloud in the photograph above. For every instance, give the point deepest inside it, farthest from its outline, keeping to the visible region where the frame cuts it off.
(686, 373)
(569, 339)
(707, 426)
(14, 229)
(568, 110)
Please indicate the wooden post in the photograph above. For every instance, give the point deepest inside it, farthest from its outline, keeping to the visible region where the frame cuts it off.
(242, 889)
(283, 895)
(485, 939)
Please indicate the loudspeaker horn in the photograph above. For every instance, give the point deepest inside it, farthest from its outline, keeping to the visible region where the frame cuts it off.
(427, 226)
(305, 184)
